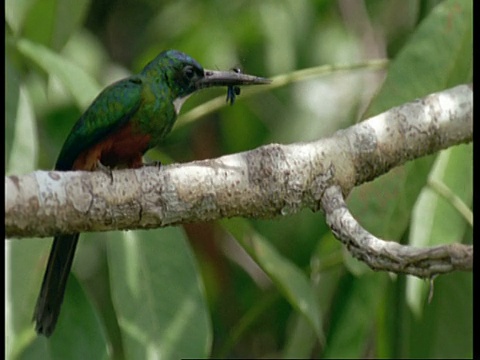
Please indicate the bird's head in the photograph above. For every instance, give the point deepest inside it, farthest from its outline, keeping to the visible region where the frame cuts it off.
(184, 75)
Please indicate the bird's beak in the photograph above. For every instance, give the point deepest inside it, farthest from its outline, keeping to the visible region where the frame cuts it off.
(229, 78)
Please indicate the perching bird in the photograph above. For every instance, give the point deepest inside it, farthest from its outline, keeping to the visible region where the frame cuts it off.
(126, 119)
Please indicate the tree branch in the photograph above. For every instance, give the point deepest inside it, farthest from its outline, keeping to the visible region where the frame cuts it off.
(388, 255)
(269, 181)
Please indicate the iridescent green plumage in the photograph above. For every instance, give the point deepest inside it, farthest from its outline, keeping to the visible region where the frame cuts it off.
(148, 102)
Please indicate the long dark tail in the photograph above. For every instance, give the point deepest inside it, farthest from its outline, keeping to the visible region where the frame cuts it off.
(52, 291)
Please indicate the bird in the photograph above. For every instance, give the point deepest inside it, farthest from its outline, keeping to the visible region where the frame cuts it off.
(125, 120)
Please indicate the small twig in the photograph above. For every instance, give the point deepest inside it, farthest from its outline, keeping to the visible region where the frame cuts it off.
(388, 255)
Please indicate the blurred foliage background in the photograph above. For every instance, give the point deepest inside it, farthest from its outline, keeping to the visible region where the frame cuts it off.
(238, 288)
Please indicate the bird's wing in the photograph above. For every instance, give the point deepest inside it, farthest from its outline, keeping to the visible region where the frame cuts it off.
(112, 108)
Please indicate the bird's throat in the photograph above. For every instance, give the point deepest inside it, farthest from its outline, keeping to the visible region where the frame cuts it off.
(178, 102)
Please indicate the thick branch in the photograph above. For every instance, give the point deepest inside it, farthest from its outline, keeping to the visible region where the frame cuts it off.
(265, 182)
(269, 181)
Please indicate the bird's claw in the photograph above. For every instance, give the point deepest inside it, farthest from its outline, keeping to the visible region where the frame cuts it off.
(155, 163)
(105, 169)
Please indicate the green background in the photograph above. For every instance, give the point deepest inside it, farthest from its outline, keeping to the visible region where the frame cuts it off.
(244, 287)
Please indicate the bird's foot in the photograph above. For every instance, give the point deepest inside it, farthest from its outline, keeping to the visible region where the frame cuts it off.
(105, 169)
(155, 163)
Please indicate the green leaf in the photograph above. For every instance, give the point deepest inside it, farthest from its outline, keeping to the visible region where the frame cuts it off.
(158, 295)
(301, 341)
(78, 334)
(80, 84)
(353, 315)
(52, 22)
(12, 83)
(22, 282)
(438, 56)
(289, 279)
(23, 149)
(445, 329)
(435, 220)
(15, 12)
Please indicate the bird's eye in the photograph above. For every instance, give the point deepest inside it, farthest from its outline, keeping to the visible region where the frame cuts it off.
(189, 72)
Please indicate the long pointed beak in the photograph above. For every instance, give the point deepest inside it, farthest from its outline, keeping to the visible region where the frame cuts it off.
(229, 78)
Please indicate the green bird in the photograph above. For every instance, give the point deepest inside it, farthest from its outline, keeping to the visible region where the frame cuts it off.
(126, 119)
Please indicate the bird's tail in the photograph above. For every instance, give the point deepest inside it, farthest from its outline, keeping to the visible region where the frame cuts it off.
(54, 282)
